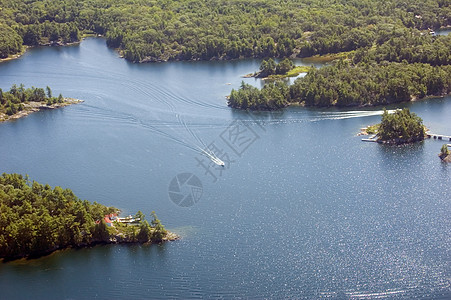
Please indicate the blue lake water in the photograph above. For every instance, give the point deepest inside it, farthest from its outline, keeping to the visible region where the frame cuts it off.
(303, 208)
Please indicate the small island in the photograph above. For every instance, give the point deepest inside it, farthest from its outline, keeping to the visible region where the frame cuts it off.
(445, 154)
(399, 127)
(19, 102)
(36, 220)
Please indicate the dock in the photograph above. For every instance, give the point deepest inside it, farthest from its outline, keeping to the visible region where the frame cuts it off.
(372, 138)
(438, 136)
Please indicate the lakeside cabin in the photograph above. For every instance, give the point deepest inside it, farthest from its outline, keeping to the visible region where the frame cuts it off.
(111, 218)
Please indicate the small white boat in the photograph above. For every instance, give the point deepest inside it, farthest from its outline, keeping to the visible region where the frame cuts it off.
(210, 154)
(217, 161)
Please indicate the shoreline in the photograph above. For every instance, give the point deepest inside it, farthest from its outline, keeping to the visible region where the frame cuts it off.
(321, 58)
(25, 48)
(15, 56)
(32, 107)
(317, 58)
(115, 240)
(302, 104)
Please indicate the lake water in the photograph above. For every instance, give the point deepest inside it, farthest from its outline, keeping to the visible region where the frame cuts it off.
(444, 31)
(303, 208)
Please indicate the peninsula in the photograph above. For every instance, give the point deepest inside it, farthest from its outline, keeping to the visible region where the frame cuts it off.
(19, 102)
(349, 83)
(36, 220)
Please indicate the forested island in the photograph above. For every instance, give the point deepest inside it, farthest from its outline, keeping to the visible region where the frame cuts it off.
(19, 101)
(36, 219)
(399, 127)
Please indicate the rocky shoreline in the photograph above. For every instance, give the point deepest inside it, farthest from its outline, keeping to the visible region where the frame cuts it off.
(32, 107)
(122, 239)
(446, 158)
(445, 153)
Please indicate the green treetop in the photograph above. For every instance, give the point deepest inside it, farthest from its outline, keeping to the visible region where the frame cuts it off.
(444, 151)
(159, 230)
(267, 67)
(284, 66)
(401, 127)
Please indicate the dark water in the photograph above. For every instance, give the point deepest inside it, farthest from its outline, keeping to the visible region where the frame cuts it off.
(444, 31)
(304, 209)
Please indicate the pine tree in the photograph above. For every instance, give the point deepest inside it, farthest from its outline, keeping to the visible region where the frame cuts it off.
(49, 92)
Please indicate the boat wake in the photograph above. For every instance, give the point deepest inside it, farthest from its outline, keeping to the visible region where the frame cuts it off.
(204, 150)
(350, 114)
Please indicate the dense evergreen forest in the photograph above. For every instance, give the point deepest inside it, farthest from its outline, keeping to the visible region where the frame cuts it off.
(346, 84)
(149, 30)
(36, 219)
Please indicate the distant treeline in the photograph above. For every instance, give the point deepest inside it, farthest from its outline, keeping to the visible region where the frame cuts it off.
(12, 101)
(148, 30)
(348, 84)
(36, 219)
(410, 46)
